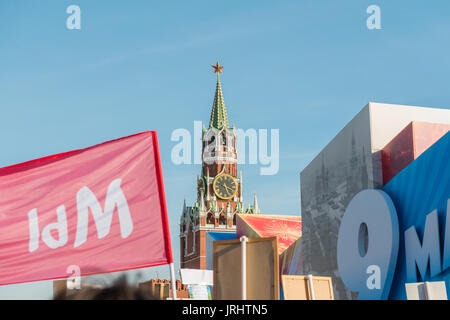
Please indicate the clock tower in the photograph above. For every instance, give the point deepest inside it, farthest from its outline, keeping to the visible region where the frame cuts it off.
(219, 188)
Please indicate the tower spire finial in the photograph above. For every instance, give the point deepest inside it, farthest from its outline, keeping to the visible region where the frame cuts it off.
(217, 69)
(219, 118)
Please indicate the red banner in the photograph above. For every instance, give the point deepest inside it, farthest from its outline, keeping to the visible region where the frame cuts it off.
(102, 209)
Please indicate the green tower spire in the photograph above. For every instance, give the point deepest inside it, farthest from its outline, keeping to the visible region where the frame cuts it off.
(219, 118)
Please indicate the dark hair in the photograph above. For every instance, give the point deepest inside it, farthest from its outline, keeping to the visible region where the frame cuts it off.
(120, 290)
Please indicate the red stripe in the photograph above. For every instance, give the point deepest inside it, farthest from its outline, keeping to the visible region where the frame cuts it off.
(162, 197)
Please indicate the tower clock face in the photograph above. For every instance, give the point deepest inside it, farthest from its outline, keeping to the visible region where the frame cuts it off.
(224, 186)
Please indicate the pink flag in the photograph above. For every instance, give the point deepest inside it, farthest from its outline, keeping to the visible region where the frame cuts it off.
(102, 209)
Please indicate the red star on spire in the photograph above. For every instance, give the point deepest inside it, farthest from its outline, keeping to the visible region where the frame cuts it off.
(217, 68)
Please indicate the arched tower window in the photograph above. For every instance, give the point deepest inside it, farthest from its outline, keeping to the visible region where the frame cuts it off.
(190, 239)
(230, 143)
(210, 218)
(224, 139)
(210, 143)
(212, 139)
(222, 220)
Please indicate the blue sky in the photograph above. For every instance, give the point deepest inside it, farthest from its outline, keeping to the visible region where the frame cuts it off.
(303, 67)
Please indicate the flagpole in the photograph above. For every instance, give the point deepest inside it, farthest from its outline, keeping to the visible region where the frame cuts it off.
(244, 240)
(311, 286)
(173, 281)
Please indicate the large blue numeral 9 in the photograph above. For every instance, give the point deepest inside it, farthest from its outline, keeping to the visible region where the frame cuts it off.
(367, 245)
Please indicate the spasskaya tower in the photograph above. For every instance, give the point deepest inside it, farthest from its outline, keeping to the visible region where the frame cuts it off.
(219, 188)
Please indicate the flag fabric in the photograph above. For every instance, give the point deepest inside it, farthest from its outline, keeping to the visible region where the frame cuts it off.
(96, 210)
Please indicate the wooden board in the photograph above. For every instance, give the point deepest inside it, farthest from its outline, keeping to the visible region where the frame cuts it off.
(59, 288)
(297, 288)
(262, 269)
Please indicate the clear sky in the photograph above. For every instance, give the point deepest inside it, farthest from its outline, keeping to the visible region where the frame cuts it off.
(305, 67)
